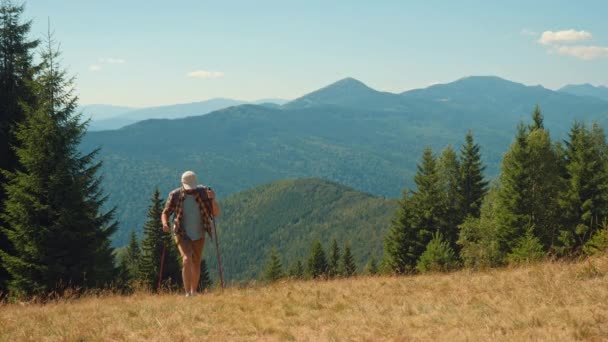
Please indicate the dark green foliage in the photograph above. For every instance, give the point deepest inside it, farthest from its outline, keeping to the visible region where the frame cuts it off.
(129, 261)
(348, 262)
(274, 267)
(316, 266)
(419, 215)
(296, 270)
(404, 243)
(154, 239)
(438, 256)
(52, 211)
(472, 187)
(448, 170)
(334, 258)
(479, 238)
(598, 242)
(529, 185)
(584, 201)
(205, 282)
(16, 89)
(527, 249)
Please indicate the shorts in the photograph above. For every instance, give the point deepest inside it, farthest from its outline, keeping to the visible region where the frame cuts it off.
(192, 249)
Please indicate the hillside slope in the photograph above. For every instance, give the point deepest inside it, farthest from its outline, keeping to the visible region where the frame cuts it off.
(544, 302)
(289, 215)
(372, 146)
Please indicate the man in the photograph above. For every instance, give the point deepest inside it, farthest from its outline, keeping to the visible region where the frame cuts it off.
(194, 207)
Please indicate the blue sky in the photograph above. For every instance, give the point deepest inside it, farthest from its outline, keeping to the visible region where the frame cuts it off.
(145, 53)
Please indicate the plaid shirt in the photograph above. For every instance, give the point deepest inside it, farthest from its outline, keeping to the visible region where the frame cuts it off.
(175, 205)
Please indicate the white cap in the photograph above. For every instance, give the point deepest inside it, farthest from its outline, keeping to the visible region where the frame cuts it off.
(189, 180)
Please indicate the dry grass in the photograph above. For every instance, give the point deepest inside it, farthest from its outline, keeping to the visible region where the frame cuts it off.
(552, 301)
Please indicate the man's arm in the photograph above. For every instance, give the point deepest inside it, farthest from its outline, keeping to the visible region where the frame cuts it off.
(167, 212)
(215, 207)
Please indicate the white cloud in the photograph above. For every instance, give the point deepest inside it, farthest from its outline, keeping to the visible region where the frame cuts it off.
(527, 32)
(94, 67)
(112, 60)
(564, 36)
(205, 74)
(582, 52)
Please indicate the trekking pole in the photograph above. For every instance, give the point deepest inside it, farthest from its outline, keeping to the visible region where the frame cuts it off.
(162, 263)
(217, 249)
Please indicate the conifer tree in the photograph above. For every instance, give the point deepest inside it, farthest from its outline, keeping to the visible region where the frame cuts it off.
(17, 72)
(438, 256)
(448, 170)
(530, 182)
(205, 282)
(131, 257)
(296, 270)
(418, 215)
(348, 262)
(584, 201)
(317, 261)
(52, 213)
(472, 186)
(152, 244)
(274, 267)
(334, 259)
(402, 245)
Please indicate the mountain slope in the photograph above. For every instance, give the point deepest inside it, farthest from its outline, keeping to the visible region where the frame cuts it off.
(373, 150)
(600, 92)
(289, 215)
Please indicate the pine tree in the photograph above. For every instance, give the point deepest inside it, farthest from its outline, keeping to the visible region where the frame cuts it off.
(472, 186)
(274, 267)
(479, 239)
(154, 240)
(418, 215)
(530, 182)
(296, 270)
(52, 211)
(130, 260)
(402, 245)
(334, 259)
(438, 256)
(348, 262)
(205, 282)
(317, 261)
(17, 72)
(448, 170)
(584, 201)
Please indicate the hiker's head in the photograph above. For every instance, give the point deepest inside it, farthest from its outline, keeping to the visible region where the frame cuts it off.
(189, 180)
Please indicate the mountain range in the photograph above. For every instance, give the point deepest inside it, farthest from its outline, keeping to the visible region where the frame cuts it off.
(105, 117)
(600, 92)
(345, 132)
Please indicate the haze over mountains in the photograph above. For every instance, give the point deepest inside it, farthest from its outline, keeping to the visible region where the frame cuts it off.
(104, 117)
(345, 132)
(600, 92)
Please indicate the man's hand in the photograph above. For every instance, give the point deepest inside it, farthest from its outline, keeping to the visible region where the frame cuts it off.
(165, 228)
(210, 194)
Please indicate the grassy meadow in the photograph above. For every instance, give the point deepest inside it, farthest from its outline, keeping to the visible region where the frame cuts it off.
(549, 301)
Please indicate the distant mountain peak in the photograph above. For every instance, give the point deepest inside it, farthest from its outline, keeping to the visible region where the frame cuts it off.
(344, 92)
